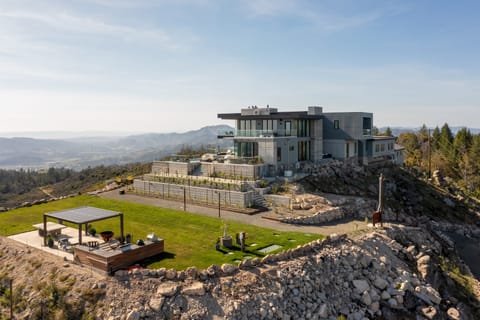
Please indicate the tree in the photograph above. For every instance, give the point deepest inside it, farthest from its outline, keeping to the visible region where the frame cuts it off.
(388, 132)
(435, 140)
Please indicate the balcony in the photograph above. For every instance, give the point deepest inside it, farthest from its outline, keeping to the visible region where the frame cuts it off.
(254, 133)
(367, 132)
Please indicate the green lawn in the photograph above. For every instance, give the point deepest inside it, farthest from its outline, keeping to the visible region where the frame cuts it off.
(189, 238)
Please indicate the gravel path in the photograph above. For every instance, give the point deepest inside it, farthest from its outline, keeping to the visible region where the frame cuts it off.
(339, 227)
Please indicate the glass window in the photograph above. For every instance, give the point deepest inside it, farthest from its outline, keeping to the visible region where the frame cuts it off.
(279, 154)
(288, 128)
(367, 126)
(336, 124)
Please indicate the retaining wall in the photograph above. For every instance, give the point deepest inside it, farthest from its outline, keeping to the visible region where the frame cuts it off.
(246, 171)
(279, 201)
(199, 195)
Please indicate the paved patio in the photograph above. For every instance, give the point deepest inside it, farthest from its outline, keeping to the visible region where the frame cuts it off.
(33, 239)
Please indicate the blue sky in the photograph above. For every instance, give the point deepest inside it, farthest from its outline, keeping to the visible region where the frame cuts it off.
(172, 65)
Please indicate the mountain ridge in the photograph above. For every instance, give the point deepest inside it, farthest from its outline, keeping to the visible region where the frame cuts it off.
(78, 153)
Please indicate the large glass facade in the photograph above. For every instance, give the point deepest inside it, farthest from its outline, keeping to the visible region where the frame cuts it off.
(304, 150)
(303, 128)
(246, 149)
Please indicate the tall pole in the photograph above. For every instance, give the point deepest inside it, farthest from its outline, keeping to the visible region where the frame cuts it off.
(429, 156)
(219, 204)
(184, 198)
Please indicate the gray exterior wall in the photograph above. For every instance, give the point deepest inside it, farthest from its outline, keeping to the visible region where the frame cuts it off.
(350, 125)
(316, 134)
(198, 195)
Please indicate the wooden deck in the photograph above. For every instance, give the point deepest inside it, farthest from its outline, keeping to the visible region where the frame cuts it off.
(110, 257)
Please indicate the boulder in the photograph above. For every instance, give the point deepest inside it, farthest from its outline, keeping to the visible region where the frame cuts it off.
(228, 268)
(167, 290)
(429, 312)
(156, 303)
(361, 286)
(323, 311)
(171, 274)
(191, 272)
(428, 294)
(366, 299)
(195, 289)
(453, 314)
(380, 283)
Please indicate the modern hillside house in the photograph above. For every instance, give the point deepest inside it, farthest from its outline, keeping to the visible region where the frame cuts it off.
(283, 139)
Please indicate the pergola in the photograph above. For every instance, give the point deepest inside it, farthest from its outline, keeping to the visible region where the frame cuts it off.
(81, 216)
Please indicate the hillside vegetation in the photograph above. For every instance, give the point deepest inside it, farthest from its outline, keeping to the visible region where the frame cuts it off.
(18, 186)
(455, 156)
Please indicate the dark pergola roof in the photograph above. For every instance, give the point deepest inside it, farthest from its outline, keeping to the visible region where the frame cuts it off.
(83, 215)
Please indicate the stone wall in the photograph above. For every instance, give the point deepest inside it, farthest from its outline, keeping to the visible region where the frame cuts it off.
(317, 218)
(198, 195)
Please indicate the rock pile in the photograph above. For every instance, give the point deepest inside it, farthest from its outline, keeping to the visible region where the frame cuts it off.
(371, 277)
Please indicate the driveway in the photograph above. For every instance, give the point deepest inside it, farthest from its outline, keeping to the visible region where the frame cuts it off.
(339, 227)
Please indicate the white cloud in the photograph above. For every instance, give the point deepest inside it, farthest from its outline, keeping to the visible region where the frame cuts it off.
(325, 16)
(67, 22)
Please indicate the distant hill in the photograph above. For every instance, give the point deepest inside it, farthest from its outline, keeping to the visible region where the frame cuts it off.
(81, 152)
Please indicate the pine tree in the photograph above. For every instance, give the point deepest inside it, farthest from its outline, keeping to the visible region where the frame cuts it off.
(388, 132)
(435, 141)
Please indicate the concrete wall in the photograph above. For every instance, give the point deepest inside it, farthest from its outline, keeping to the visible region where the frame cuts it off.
(172, 167)
(350, 125)
(247, 171)
(335, 147)
(317, 140)
(198, 195)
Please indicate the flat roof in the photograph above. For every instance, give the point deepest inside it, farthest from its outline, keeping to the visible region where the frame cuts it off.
(83, 215)
(279, 115)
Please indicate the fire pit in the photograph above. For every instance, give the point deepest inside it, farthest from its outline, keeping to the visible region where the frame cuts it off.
(106, 235)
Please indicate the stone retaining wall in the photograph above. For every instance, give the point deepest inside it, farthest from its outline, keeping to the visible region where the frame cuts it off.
(227, 269)
(199, 195)
(317, 218)
(279, 201)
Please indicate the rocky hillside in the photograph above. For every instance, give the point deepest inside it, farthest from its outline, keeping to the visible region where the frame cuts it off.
(393, 273)
(407, 196)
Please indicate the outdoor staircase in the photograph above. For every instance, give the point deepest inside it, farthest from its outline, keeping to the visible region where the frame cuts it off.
(258, 199)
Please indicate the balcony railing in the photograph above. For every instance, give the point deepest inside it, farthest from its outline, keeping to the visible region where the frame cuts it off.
(367, 132)
(254, 133)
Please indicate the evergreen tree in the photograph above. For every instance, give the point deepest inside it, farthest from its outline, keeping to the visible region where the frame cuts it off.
(445, 144)
(423, 133)
(435, 140)
(388, 132)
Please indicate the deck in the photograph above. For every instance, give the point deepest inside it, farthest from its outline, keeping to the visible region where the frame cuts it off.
(110, 257)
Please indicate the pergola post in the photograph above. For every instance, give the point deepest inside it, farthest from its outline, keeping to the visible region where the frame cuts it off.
(44, 230)
(121, 227)
(80, 233)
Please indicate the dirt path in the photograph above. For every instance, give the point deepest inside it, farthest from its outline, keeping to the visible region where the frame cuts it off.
(46, 191)
(340, 227)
